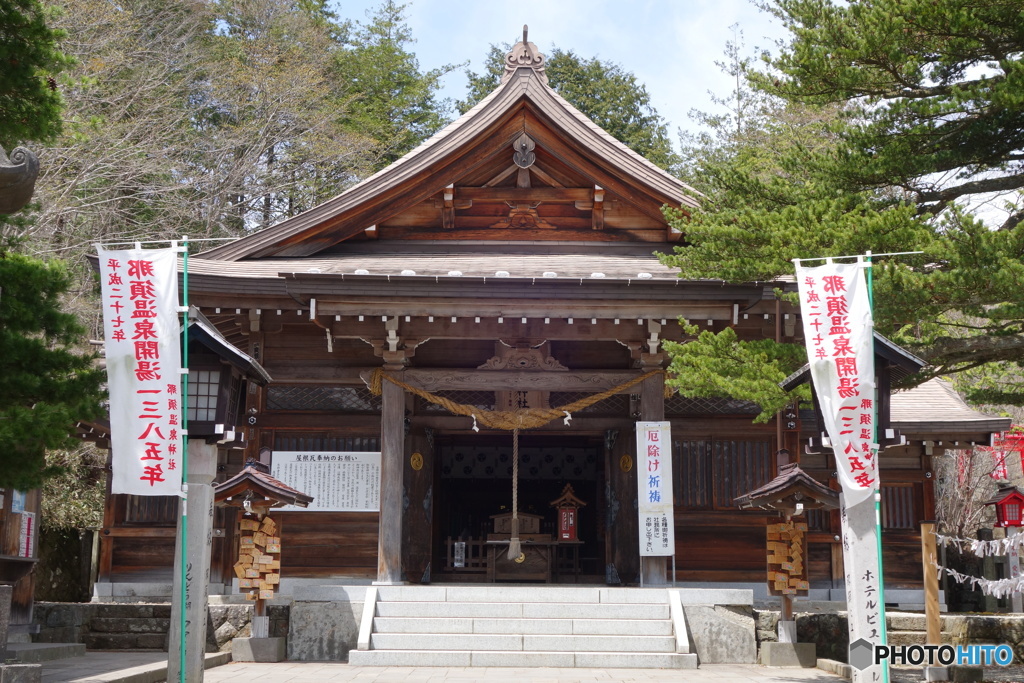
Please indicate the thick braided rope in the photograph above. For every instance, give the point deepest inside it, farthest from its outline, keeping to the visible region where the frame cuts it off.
(514, 546)
(506, 419)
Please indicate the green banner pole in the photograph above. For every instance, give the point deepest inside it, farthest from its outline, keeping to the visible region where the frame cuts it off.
(184, 468)
(878, 489)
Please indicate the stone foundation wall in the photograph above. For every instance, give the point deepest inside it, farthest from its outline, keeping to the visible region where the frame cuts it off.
(829, 631)
(103, 626)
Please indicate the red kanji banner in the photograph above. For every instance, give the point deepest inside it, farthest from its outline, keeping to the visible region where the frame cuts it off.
(142, 341)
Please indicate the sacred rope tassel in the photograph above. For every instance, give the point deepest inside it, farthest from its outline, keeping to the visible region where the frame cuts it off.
(515, 549)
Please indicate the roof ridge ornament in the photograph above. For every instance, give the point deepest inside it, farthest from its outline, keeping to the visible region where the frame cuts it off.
(524, 54)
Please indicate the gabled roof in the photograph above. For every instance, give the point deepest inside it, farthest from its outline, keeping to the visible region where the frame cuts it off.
(934, 406)
(465, 145)
(258, 486)
(791, 486)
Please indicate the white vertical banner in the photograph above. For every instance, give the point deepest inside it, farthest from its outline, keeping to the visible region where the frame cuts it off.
(839, 333)
(143, 350)
(654, 489)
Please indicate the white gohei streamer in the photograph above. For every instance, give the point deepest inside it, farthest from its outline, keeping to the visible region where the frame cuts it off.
(996, 588)
(994, 548)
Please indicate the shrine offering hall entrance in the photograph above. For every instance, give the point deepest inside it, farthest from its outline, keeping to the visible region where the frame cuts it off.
(472, 512)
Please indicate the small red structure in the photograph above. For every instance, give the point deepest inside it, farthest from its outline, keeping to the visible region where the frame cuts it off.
(567, 506)
(1009, 501)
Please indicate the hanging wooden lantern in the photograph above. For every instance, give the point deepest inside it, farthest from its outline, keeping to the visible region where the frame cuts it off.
(567, 507)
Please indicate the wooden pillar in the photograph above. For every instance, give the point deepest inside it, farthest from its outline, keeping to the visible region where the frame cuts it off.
(392, 462)
(652, 409)
(929, 557)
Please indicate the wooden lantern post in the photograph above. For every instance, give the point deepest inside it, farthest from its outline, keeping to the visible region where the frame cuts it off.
(789, 494)
(258, 568)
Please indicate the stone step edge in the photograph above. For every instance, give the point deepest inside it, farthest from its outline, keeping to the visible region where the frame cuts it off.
(36, 653)
(520, 602)
(687, 660)
(551, 635)
(521, 618)
(531, 652)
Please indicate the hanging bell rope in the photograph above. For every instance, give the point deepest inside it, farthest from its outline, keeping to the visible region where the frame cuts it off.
(515, 548)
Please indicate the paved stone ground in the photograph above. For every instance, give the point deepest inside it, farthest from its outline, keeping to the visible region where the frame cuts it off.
(993, 674)
(150, 667)
(321, 672)
(122, 667)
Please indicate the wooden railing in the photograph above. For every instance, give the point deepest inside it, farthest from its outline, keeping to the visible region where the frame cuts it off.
(476, 556)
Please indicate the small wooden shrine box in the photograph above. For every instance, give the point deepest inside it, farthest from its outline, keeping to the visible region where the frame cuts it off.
(528, 524)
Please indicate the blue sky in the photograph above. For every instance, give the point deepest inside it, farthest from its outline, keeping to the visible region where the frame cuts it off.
(671, 45)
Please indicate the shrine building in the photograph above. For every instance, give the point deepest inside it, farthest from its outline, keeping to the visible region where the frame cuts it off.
(507, 265)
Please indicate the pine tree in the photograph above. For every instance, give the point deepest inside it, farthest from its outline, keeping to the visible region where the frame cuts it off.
(392, 101)
(29, 98)
(49, 384)
(912, 114)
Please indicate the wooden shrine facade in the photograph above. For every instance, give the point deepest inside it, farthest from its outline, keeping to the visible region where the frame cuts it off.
(507, 263)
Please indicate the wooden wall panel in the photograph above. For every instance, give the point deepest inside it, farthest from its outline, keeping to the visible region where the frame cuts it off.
(143, 558)
(819, 562)
(324, 544)
(723, 553)
(901, 560)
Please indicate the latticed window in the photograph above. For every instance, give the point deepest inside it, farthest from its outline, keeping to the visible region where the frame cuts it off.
(818, 520)
(712, 473)
(899, 510)
(334, 399)
(617, 404)
(203, 386)
(680, 405)
(325, 443)
(484, 400)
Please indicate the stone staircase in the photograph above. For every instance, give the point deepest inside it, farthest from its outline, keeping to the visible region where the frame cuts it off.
(523, 626)
(911, 629)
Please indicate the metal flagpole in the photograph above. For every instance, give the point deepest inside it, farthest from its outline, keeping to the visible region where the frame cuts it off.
(184, 467)
(878, 490)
